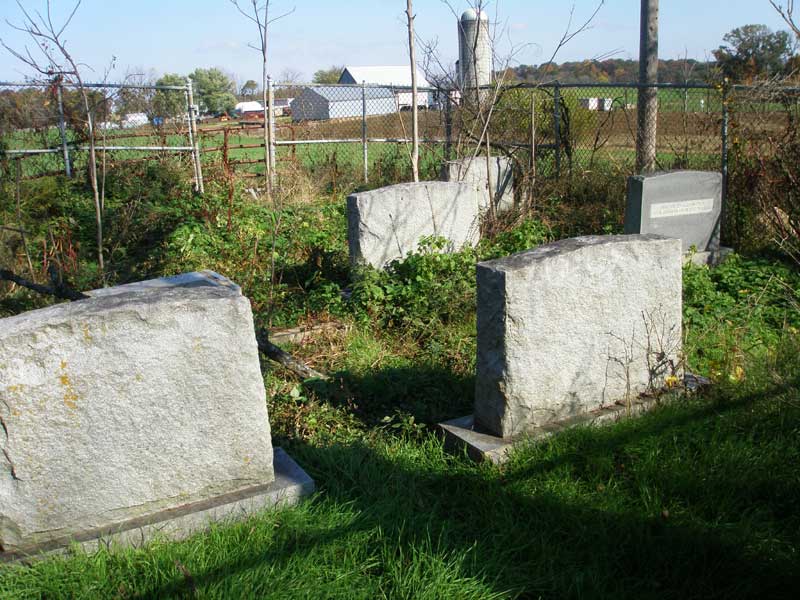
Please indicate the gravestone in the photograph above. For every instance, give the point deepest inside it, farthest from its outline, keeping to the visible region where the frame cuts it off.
(387, 223)
(140, 410)
(572, 328)
(682, 204)
(475, 171)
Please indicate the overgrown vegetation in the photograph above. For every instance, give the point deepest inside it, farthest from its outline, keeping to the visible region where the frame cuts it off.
(697, 499)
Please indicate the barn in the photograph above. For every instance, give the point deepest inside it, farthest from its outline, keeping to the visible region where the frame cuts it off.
(332, 102)
(389, 76)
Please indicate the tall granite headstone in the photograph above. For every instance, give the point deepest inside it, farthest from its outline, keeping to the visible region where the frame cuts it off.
(143, 404)
(682, 204)
(573, 326)
(387, 223)
(499, 173)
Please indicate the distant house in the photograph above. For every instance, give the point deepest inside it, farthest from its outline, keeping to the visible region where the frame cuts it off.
(331, 102)
(390, 76)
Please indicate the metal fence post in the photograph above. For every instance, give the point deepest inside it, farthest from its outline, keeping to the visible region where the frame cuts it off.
(193, 141)
(557, 125)
(62, 128)
(533, 149)
(271, 125)
(364, 148)
(448, 126)
(724, 161)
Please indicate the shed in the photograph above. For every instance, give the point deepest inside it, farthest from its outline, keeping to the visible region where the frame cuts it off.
(389, 76)
(335, 102)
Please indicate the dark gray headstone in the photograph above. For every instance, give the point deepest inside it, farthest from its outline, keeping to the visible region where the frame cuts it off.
(681, 204)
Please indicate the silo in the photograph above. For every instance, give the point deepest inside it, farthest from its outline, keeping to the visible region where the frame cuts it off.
(474, 50)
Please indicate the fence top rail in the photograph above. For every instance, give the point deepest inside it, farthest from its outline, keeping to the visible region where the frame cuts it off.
(545, 85)
(633, 85)
(393, 86)
(116, 86)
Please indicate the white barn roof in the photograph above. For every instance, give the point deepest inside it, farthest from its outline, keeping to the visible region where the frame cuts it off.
(386, 75)
(250, 106)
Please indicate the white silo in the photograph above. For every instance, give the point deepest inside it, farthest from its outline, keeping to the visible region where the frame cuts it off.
(474, 50)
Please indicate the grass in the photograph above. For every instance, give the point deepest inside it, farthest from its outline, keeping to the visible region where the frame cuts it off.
(695, 500)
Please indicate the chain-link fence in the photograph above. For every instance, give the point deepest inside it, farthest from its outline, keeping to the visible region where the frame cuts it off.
(49, 129)
(550, 130)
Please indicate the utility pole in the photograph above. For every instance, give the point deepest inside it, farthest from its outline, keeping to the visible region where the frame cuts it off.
(647, 105)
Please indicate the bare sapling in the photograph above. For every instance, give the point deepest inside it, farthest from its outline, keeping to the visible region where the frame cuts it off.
(414, 109)
(259, 14)
(56, 63)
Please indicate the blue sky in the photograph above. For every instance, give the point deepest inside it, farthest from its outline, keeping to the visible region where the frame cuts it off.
(179, 35)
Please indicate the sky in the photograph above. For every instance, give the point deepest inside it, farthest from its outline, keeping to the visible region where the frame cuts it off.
(177, 36)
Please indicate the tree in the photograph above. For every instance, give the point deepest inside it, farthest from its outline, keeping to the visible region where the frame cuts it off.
(752, 52)
(786, 11)
(214, 89)
(291, 76)
(169, 103)
(249, 88)
(329, 75)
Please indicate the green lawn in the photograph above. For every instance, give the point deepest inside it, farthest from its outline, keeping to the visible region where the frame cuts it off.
(698, 499)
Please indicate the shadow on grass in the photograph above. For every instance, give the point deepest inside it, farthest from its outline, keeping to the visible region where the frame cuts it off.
(540, 532)
(430, 393)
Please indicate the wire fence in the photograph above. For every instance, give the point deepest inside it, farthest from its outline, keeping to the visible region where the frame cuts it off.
(550, 131)
(48, 129)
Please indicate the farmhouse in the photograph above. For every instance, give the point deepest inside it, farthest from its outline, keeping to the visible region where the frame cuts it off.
(389, 76)
(332, 102)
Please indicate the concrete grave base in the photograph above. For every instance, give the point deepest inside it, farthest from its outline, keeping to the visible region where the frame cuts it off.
(709, 258)
(481, 444)
(291, 484)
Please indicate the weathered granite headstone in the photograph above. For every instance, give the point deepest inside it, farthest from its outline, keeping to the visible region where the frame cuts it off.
(143, 407)
(387, 223)
(575, 325)
(683, 204)
(475, 171)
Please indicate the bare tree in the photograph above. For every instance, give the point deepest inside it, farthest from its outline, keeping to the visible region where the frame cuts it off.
(785, 9)
(259, 13)
(481, 113)
(291, 76)
(57, 64)
(414, 110)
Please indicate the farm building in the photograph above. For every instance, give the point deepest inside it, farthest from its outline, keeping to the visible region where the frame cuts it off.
(389, 76)
(250, 111)
(331, 102)
(599, 104)
(282, 106)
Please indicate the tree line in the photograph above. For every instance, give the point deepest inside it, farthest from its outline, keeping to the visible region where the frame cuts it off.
(747, 54)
